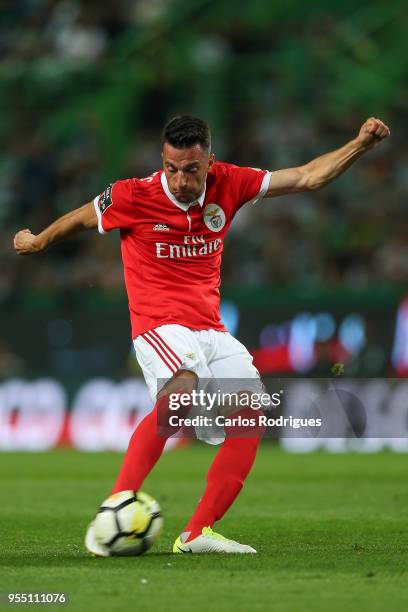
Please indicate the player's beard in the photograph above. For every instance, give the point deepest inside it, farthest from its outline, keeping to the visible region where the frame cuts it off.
(189, 197)
(185, 199)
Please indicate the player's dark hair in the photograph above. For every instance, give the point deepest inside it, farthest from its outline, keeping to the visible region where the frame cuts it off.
(185, 131)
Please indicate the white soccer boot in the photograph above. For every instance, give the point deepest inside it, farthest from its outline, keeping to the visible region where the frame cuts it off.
(209, 542)
(92, 545)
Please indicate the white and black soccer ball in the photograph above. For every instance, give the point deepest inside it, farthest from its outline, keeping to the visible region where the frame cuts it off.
(128, 523)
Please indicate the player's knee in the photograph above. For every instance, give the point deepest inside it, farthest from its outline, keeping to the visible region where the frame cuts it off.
(183, 381)
(174, 401)
(246, 424)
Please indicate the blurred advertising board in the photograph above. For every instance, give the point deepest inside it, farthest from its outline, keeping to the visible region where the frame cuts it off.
(338, 415)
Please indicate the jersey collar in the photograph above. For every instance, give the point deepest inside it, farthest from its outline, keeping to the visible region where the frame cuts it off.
(183, 205)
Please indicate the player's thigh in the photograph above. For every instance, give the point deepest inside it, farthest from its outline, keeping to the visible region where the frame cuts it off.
(231, 359)
(234, 375)
(164, 352)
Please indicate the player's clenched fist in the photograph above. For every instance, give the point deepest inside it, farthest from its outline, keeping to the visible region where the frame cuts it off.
(24, 242)
(372, 132)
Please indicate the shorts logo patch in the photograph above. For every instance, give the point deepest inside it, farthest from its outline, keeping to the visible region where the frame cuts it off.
(214, 217)
(105, 199)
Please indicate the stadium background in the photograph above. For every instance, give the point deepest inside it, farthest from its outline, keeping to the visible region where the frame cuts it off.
(308, 280)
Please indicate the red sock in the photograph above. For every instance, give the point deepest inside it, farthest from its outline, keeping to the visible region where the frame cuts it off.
(145, 447)
(225, 478)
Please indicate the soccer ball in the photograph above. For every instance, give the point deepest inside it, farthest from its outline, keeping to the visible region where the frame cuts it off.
(128, 523)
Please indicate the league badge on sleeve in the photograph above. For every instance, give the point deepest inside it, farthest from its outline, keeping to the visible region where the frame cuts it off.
(105, 199)
(214, 217)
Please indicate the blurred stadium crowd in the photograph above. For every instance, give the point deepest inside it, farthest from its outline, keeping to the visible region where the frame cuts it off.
(85, 87)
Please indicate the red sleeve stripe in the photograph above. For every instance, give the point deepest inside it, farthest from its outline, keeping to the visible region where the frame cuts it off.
(165, 346)
(169, 362)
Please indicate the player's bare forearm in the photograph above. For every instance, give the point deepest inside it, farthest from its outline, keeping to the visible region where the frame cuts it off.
(324, 169)
(27, 243)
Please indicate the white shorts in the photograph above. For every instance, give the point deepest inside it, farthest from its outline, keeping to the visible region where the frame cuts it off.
(211, 354)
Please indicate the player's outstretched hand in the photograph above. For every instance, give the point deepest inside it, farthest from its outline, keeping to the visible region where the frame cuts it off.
(24, 242)
(372, 132)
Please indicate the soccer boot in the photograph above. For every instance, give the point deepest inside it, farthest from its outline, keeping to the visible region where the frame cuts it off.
(92, 546)
(209, 542)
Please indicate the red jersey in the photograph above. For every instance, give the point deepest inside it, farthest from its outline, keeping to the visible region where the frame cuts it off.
(172, 251)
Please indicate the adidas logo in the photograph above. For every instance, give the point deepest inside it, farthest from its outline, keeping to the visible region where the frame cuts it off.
(161, 227)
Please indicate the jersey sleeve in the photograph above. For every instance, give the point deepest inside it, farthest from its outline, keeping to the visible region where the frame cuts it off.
(248, 184)
(115, 207)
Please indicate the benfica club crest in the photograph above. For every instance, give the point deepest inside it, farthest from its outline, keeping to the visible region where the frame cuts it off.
(214, 217)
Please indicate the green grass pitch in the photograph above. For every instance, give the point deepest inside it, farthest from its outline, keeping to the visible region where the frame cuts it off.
(330, 530)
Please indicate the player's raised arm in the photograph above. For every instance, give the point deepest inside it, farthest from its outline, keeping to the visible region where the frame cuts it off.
(326, 168)
(27, 243)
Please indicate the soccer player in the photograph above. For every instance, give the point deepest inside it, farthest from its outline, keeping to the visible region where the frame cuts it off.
(172, 226)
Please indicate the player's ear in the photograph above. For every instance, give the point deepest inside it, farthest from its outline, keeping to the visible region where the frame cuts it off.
(211, 160)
